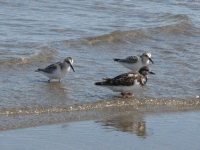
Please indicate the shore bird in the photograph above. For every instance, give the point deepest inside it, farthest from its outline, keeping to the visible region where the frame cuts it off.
(57, 70)
(127, 82)
(134, 63)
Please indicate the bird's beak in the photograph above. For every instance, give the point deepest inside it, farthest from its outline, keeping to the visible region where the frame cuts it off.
(71, 66)
(151, 72)
(151, 60)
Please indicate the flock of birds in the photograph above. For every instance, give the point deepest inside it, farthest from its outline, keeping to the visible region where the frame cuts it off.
(124, 83)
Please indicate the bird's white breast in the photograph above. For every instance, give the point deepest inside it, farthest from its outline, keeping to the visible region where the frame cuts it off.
(133, 66)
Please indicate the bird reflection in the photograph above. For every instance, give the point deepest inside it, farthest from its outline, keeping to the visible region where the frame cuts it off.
(55, 93)
(126, 124)
(141, 129)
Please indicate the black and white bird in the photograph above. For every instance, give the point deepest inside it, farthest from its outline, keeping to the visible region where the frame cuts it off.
(57, 70)
(134, 63)
(127, 82)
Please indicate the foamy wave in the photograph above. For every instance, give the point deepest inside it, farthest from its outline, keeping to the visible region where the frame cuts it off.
(135, 104)
(21, 118)
(41, 54)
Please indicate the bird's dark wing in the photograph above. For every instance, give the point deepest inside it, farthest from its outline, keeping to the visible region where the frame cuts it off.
(60, 64)
(126, 79)
(131, 59)
(51, 68)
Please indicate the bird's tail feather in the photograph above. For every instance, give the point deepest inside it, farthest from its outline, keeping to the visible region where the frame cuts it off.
(39, 70)
(116, 59)
(99, 83)
(106, 82)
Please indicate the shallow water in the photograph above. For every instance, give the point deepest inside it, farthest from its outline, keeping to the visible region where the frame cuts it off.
(33, 35)
(125, 131)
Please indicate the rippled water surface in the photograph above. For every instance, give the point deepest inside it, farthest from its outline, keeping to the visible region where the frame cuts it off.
(37, 33)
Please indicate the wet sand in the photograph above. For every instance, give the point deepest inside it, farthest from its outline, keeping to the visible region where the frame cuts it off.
(168, 130)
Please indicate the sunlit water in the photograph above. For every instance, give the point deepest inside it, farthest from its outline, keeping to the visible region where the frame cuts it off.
(37, 33)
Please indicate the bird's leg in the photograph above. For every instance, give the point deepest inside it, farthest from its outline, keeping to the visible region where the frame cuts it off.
(123, 94)
(59, 80)
(127, 95)
(49, 80)
(130, 94)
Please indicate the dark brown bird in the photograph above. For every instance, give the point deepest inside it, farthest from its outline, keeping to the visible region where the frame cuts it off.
(127, 82)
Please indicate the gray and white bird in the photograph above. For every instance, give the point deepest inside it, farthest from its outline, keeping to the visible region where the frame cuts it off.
(127, 82)
(57, 70)
(134, 63)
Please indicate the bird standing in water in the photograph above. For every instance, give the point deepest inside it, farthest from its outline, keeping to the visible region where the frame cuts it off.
(57, 70)
(134, 63)
(127, 82)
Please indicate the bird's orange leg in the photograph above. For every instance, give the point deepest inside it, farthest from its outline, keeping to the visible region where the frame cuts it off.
(127, 95)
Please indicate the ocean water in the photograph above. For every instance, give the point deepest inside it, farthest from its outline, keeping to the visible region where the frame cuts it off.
(37, 33)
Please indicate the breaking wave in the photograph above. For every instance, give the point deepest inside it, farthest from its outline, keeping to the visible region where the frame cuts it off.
(185, 28)
(182, 28)
(38, 55)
